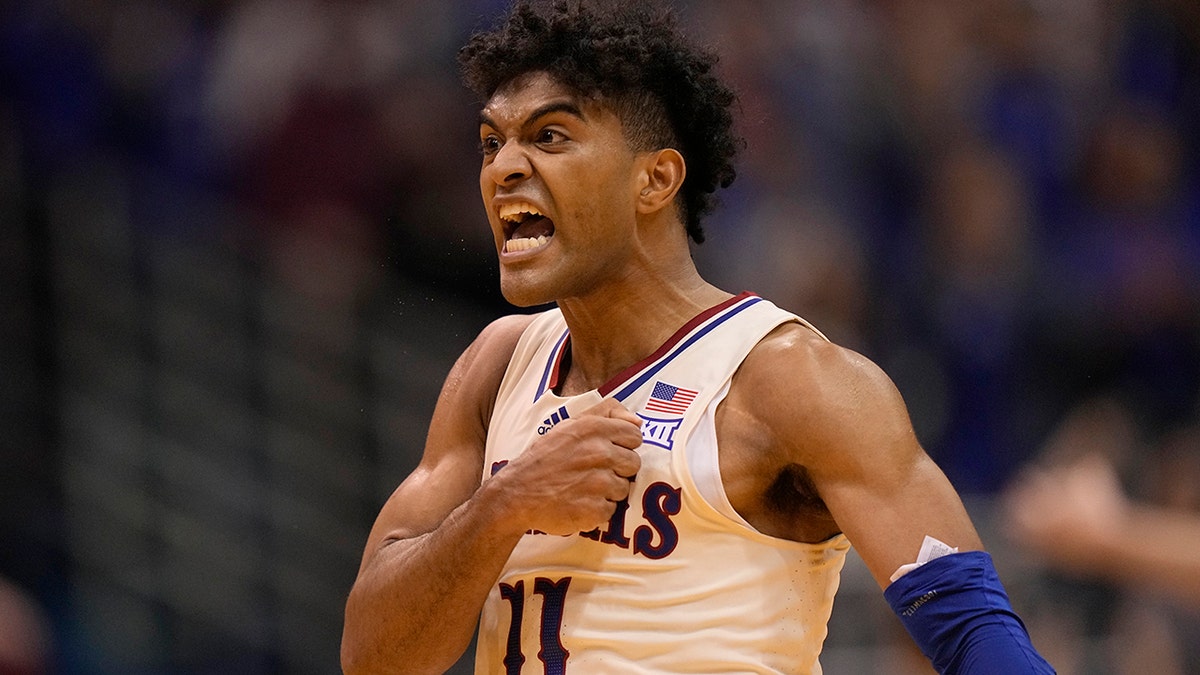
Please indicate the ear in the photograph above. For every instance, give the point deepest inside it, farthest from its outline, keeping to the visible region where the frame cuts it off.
(662, 175)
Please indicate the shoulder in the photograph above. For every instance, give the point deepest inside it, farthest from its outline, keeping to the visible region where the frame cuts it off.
(794, 356)
(821, 403)
(498, 340)
(475, 378)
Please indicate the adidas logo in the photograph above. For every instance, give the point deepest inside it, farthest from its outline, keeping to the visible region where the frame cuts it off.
(554, 418)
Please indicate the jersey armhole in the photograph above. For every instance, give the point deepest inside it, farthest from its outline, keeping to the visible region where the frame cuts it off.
(703, 462)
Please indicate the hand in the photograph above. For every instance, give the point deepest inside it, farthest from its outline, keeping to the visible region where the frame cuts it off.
(570, 479)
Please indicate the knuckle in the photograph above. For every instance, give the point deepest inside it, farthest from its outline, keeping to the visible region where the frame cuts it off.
(621, 490)
(600, 483)
(629, 460)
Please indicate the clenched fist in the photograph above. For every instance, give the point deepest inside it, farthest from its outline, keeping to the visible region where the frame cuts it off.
(570, 479)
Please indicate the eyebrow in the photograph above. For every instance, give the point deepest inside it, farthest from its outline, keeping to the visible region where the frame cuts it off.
(550, 108)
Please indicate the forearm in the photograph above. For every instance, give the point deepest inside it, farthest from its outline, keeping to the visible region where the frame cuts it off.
(957, 611)
(416, 602)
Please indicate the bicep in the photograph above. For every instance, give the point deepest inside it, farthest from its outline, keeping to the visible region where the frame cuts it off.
(886, 513)
(858, 443)
(426, 497)
(452, 463)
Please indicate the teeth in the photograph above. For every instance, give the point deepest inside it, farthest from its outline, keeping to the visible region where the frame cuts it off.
(515, 213)
(514, 245)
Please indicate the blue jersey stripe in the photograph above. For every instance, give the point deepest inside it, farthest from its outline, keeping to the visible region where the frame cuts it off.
(550, 364)
(635, 384)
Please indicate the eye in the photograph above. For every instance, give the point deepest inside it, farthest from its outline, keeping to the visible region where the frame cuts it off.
(489, 145)
(550, 136)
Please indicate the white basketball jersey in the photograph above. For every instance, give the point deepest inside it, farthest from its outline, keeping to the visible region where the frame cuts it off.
(676, 582)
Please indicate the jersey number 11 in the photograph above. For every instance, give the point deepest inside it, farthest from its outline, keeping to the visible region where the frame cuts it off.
(551, 652)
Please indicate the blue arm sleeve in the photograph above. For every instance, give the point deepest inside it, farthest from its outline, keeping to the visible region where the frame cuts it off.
(957, 611)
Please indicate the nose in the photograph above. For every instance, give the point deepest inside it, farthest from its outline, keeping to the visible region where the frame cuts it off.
(509, 165)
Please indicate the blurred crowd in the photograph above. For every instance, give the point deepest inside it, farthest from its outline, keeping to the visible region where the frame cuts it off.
(996, 200)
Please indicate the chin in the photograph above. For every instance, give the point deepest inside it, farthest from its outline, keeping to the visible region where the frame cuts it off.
(524, 294)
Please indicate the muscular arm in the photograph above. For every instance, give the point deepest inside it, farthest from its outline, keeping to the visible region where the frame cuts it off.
(441, 540)
(839, 416)
(836, 414)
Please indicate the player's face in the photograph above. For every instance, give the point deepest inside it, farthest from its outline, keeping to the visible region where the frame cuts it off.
(559, 185)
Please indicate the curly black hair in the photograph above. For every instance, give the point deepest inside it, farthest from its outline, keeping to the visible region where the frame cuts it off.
(633, 57)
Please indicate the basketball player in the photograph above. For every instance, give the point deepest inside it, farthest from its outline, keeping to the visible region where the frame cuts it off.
(656, 476)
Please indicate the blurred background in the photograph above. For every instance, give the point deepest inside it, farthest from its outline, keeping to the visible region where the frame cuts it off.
(242, 244)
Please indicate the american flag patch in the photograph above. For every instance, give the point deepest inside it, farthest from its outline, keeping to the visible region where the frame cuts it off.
(667, 398)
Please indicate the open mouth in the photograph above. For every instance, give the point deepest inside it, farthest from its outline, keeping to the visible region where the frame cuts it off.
(525, 228)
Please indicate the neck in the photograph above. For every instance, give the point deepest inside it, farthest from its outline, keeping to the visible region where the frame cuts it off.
(619, 325)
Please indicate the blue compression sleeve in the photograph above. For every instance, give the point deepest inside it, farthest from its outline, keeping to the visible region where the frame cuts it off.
(957, 611)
